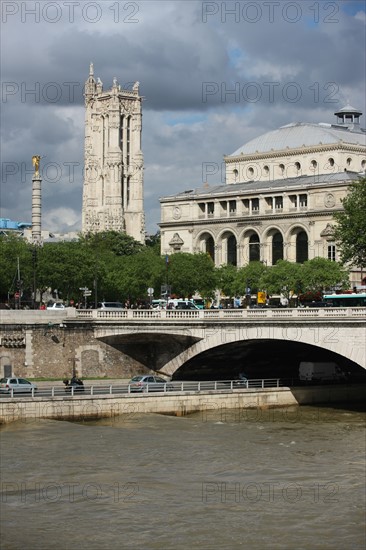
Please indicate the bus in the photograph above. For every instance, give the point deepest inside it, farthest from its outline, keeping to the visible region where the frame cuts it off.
(345, 300)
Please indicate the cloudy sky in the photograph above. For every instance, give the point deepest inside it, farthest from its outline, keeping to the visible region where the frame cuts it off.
(213, 74)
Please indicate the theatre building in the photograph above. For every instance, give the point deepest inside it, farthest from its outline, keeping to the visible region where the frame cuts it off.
(281, 191)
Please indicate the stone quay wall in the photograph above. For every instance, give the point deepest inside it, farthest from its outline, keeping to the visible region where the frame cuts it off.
(28, 409)
(53, 350)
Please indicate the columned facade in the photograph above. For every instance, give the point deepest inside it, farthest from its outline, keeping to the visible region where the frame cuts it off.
(113, 179)
(281, 192)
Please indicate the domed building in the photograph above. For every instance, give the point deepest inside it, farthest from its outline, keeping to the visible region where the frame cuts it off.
(281, 191)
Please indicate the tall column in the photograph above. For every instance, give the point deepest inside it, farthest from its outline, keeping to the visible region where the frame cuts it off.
(36, 202)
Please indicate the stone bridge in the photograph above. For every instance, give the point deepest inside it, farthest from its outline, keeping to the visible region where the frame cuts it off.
(166, 340)
(211, 343)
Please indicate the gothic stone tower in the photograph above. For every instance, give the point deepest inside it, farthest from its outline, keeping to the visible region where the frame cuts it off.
(113, 180)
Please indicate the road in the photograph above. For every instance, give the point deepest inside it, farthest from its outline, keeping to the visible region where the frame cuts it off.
(125, 388)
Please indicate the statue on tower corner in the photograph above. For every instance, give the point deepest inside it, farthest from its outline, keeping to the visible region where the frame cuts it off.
(36, 160)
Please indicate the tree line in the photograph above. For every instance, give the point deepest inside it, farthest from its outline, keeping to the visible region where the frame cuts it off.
(116, 267)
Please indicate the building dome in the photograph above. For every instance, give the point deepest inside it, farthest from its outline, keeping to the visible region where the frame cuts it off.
(299, 134)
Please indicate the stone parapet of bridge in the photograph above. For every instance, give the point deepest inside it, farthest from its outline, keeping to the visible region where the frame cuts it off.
(118, 315)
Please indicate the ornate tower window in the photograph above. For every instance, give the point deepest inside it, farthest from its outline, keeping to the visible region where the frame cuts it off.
(128, 144)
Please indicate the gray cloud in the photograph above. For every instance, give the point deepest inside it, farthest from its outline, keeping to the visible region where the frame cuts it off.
(209, 87)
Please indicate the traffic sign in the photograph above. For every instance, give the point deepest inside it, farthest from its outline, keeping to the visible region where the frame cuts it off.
(150, 291)
(87, 292)
(17, 295)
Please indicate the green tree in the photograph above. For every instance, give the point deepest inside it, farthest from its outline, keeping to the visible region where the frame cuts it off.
(14, 252)
(191, 273)
(319, 274)
(130, 277)
(65, 266)
(226, 279)
(282, 278)
(249, 276)
(120, 244)
(350, 228)
(153, 241)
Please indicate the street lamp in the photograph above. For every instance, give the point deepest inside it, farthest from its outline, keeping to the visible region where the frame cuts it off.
(248, 293)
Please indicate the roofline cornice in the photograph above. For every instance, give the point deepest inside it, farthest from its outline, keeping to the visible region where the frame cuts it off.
(240, 221)
(265, 191)
(297, 151)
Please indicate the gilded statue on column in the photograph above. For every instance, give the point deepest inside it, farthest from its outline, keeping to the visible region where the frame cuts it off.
(36, 160)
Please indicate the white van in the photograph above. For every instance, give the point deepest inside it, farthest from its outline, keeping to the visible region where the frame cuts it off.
(323, 371)
(55, 305)
(182, 304)
(110, 305)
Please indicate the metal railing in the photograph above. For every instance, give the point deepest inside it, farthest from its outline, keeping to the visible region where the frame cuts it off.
(174, 386)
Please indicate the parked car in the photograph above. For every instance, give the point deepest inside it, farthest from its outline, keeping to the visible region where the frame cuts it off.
(55, 305)
(18, 385)
(148, 383)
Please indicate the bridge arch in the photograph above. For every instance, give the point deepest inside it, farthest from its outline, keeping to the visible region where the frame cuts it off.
(165, 341)
(291, 344)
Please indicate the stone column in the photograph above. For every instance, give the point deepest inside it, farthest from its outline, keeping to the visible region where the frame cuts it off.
(36, 202)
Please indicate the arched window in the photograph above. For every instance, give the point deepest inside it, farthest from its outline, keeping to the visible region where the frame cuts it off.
(302, 254)
(236, 173)
(254, 248)
(231, 250)
(210, 247)
(277, 248)
(297, 166)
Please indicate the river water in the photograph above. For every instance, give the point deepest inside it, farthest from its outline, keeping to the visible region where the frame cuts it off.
(281, 479)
